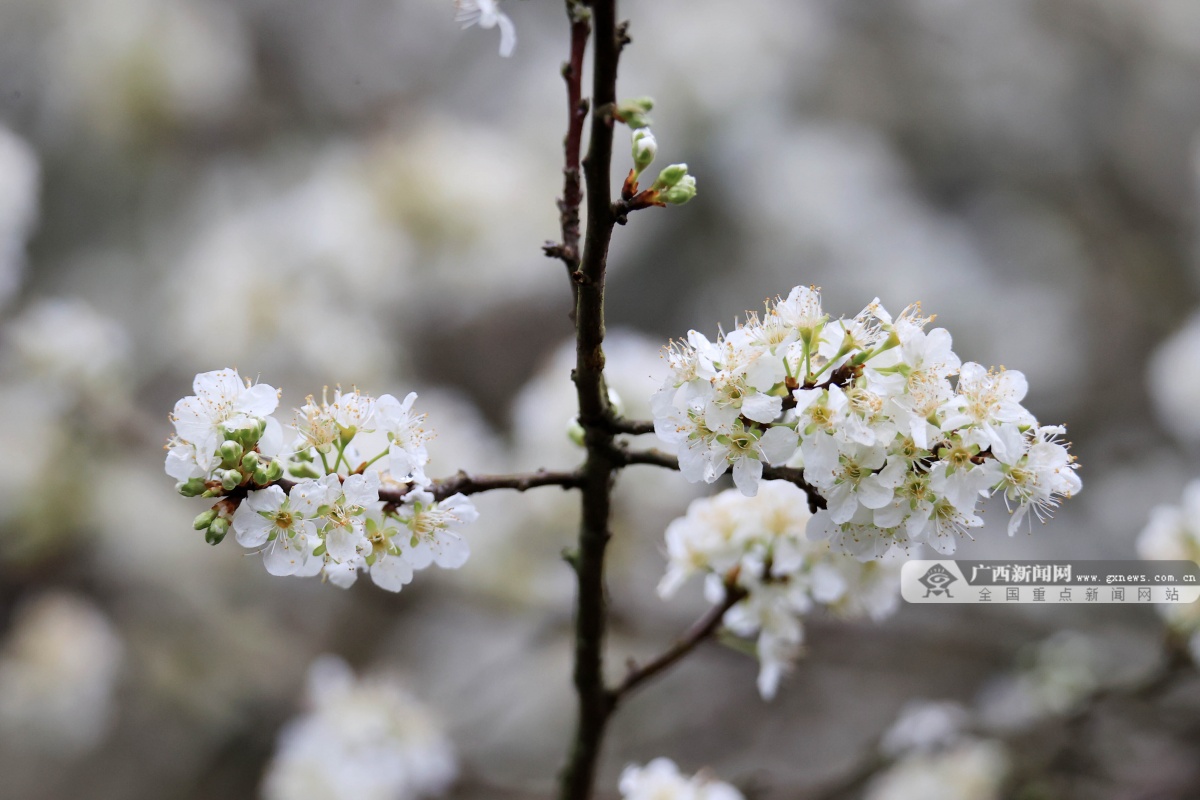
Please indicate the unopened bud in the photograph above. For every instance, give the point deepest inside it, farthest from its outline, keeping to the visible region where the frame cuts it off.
(231, 479)
(274, 470)
(231, 453)
(204, 519)
(216, 531)
(575, 431)
(191, 487)
(633, 112)
(645, 148)
(251, 461)
(670, 175)
(303, 471)
(681, 192)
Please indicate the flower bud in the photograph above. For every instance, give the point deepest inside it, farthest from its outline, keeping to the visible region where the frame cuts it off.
(251, 461)
(670, 175)
(681, 192)
(633, 112)
(216, 531)
(204, 519)
(274, 470)
(231, 479)
(231, 453)
(191, 487)
(575, 431)
(303, 471)
(645, 148)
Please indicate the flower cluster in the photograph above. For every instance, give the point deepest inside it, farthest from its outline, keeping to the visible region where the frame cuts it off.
(1173, 533)
(756, 547)
(661, 780)
(362, 738)
(898, 451)
(328, 517)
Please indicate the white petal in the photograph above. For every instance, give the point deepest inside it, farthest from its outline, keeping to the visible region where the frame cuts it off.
(342, 543)
(778, 444)
(508, 35)
(391, 572)
(762, 408)
(450, 550)
(284, 556)
(746, 474)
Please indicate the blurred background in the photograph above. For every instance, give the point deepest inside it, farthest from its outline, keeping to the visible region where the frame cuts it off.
(357, 192)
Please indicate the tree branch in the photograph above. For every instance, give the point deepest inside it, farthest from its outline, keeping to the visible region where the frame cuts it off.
(595, 704)
(635, 427)
(792, 475)
(459, 483)
(567, 250)
(701, 630)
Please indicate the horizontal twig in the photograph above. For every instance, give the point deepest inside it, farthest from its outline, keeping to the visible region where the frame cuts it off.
(792, 475)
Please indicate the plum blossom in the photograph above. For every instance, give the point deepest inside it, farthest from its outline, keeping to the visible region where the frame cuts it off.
(366, 737)
(326, 516)
(662, 780)
(487, 14)
(898, 438)
(760, 548)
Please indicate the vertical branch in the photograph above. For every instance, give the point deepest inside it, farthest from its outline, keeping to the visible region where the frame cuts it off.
(567, 250)
(595, 700)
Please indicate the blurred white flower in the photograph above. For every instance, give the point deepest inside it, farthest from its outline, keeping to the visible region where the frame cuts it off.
(661, 780)
(1058, 674)
(362, 739)
(19, 180)
(924, 725)
(487, 14)
(132, 67)
(968, 770)
(69, 342)
(1173, 379)
(58, 672)
(294, 269)
(1173, 533)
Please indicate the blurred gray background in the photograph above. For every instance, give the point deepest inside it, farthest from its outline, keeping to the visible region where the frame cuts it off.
(357, 192)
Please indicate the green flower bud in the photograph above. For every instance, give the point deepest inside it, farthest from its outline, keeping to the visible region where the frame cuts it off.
(231, 479)
(681, 192)
(203, 520)
(191, 487)
(231, 453)
(670, 175)
(645, 148)
(251, 461)
(575, 431)
(633, 112)
(216, 531)
(303, 471)
(274, 470)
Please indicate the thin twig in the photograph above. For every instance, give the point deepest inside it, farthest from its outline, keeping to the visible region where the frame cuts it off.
(701, 630)
(459, 483)
(567, 250)
(792, 475)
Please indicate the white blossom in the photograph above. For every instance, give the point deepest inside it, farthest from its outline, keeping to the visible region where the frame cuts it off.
(362, 738)
(899, 453)
(487, 14)
(58, 673)
(661, 780)
(759, 546)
